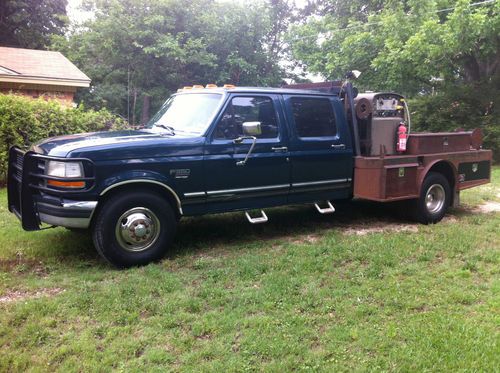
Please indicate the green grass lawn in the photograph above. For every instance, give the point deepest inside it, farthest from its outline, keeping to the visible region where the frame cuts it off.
(359, 290)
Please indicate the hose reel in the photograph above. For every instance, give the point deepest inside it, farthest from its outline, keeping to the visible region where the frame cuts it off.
(363, 108)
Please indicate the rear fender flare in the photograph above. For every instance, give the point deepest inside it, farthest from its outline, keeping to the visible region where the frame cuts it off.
(432, 166)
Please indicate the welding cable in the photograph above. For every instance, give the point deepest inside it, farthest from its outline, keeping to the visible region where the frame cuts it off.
(407, 111)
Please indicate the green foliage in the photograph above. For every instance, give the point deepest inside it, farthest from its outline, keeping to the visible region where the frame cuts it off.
(31, 23)
(24, 121)
(445, 54)
(465, 106)
(404, 46)
(134, 49)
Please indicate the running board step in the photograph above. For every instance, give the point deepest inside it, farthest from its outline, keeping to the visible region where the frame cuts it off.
(327, 210)
(258, 220)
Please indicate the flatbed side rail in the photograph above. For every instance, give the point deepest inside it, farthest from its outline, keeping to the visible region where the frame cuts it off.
(399, 177)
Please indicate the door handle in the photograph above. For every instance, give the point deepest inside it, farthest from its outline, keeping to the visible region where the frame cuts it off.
(280, 149)
(338, 146)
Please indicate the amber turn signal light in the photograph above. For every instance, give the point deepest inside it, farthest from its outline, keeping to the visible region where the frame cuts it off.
(66, 184)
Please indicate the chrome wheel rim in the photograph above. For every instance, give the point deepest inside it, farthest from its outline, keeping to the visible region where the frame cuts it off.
(435, 198)
(137, 229)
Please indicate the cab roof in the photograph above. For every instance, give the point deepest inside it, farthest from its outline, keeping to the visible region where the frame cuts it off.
(268, 90)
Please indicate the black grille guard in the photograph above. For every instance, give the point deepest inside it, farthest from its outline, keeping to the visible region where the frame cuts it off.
(26, 178)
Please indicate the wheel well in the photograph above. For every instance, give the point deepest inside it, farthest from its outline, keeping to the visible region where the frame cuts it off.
(447, 170)
(142, 186)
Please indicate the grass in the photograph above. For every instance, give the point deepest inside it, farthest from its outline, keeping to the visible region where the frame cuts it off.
(302, 293)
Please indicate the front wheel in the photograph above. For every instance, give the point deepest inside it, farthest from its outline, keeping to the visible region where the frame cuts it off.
(434, 199)
(134, 228)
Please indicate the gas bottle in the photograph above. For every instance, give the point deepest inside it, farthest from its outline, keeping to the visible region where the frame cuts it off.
(402, 138)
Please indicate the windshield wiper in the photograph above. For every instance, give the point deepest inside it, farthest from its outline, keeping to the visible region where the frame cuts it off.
(169, 128)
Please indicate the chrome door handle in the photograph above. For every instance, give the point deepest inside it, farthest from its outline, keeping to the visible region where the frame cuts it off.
(280, 149)
(338, 146)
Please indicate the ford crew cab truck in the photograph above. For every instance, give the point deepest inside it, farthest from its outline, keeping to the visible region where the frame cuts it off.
(213, 150)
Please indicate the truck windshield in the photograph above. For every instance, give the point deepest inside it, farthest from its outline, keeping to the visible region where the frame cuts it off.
(186, 113)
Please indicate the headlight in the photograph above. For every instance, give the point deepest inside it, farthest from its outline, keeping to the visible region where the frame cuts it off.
(64, 169)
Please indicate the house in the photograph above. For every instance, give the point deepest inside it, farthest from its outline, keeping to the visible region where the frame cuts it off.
(37, 73)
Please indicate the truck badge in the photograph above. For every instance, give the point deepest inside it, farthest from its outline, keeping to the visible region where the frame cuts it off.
(181, 173)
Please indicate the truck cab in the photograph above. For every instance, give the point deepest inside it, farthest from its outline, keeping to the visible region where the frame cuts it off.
(207, 150)
(298, 150)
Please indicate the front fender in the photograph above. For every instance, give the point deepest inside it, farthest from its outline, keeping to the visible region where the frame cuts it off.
(139, 177)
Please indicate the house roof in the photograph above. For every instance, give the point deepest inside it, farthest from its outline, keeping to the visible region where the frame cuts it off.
(40, 67)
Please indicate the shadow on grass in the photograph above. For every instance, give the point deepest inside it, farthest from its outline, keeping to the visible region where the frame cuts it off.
(205, 233)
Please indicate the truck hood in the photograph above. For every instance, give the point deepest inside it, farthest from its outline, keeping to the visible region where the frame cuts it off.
(117, 145)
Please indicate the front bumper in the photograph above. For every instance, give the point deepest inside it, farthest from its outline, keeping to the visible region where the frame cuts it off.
(66, 213)
(34, 202)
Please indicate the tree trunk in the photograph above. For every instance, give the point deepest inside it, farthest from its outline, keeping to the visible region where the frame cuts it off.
(133, 106)
(146, 99)
(472, 71)
(477, 69)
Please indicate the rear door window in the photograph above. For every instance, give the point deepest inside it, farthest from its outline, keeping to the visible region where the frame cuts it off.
(313, 117)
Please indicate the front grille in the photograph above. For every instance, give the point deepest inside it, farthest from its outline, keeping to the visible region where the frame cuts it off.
(19, 165)
(40, 170)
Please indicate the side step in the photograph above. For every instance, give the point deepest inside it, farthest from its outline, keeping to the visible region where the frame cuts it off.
(258, 220)
(327, 210)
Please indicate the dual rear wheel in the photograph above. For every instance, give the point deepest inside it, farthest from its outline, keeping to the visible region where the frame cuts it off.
(435, 197)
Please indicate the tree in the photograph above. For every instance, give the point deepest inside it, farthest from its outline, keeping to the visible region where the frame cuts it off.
(31, 23)
(404, 45)
(444, 54)
(135, 50)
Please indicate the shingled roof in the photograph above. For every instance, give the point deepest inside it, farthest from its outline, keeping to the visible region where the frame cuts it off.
(42, 67)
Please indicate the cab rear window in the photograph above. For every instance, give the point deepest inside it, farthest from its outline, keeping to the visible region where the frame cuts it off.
(313, 117)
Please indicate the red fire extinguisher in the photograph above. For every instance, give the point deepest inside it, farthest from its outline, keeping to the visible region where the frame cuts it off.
(402, 138)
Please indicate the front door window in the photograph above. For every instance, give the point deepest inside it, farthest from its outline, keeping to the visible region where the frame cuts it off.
(248, 109)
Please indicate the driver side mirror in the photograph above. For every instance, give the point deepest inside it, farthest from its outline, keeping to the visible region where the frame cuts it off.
(250, 131)
(252, 128)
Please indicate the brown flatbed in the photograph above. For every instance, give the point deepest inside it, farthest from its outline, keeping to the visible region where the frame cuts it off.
(456, 155)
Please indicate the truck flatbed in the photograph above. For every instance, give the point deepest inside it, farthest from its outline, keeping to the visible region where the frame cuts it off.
(399, 177)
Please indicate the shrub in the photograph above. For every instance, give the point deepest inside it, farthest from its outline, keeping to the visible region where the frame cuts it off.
(465, 107)
(24, 121)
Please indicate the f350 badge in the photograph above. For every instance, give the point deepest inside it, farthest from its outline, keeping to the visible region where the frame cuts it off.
(180, 173)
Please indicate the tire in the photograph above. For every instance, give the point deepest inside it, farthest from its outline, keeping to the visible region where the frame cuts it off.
(134, 228)
(435, 197)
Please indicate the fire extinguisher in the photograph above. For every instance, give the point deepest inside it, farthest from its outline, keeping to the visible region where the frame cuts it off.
(402, 138)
